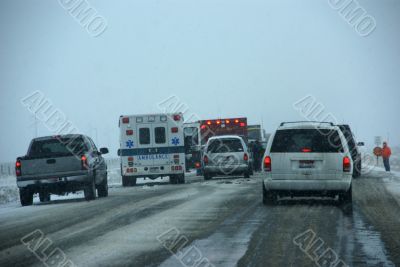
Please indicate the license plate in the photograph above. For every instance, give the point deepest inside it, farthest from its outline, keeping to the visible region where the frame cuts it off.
(154, 169)
(306, 164)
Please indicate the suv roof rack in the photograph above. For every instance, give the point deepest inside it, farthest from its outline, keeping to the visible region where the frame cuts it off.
(290, 122)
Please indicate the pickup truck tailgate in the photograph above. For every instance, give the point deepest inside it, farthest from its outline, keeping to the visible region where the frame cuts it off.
(45, 166)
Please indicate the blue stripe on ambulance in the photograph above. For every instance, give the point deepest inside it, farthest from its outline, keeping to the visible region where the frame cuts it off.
(152, 151)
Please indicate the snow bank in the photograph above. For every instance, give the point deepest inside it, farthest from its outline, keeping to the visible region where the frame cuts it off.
(8, 189)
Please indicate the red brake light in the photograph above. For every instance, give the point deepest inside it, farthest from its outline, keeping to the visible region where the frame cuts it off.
(174, 130)
(18, 168)
(203, 127)
(197, 165)
(267, 164)
(306, 150)
(84, 162)
(125, 120)
(205, 160)
(346, 164)
(177, 117)
(242, 124)
(129, 132)
(245, 157)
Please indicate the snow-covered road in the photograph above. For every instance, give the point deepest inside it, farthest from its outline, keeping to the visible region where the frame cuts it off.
(221, 222)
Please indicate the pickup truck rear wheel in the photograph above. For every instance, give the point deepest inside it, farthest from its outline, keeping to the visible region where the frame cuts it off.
(26, 197)
(90, 191)
(102, 189)
(44, 196)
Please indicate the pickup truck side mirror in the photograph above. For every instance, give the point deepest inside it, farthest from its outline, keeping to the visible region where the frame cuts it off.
(104, 150)
(360, 144)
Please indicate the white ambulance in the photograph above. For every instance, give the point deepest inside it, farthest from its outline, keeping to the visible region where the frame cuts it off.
(152, 146)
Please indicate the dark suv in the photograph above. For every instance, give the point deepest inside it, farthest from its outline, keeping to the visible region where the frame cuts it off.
(353, 146)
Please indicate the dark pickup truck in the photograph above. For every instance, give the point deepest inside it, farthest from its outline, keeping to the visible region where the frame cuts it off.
(60, 165)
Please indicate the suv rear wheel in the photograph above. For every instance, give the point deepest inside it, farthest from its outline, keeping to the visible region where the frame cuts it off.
(357, 169)
(269, 198)
(26, 197)
(346, 198)
(207, 176)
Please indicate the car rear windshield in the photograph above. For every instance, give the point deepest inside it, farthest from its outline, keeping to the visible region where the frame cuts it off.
(225, 146)
(307, 140)
(57, 147)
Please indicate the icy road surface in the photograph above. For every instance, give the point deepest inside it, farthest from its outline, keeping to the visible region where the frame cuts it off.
(221, 222)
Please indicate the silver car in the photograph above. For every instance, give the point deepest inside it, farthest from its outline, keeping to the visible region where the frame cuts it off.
(226, 155)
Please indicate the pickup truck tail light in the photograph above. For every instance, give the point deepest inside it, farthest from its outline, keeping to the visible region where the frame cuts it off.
(346, 164)
(267, 164)
(84, 162)
(246, 157)
(18, 166)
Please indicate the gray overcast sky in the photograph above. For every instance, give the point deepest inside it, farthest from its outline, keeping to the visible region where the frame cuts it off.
(221, 58)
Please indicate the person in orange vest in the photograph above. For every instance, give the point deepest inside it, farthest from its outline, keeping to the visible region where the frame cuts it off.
(386, 153)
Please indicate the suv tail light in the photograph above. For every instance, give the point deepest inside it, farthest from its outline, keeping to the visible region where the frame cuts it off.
(267, 164)
(205, 160)
(246, 157)
(346, 164)
(84, 162)
(18, 167)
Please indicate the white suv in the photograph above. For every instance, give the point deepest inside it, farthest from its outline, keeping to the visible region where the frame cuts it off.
(226, 155)
(307, 158)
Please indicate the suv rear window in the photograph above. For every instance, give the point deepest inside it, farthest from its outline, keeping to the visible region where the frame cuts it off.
(225, 146)
(57, 147)
(310, 140)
